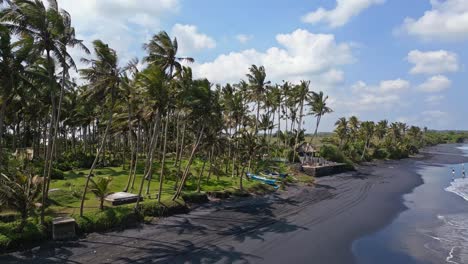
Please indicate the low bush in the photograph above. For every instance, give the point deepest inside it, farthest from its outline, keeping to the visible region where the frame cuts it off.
(111, 218)
(155, 209)
(240, 193)
(333, 153)
(57, 174)
(220, 194)
(195, 197)
(260, 189)
(32, 234)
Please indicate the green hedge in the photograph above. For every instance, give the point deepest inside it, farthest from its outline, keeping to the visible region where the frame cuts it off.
(111, 218)
(195, 198)
(155, 209)
(32, 234)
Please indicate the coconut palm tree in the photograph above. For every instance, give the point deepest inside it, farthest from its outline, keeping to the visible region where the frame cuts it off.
(162, 51)
(342, 130)
(381, 129)
(318, 105)
(104, 77)
(367, 131)
(258, 86)
(20, 192)
(100, 187)
(302, 93)
(354, 126)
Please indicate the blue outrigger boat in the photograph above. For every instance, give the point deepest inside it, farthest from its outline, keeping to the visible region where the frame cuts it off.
(271, 182)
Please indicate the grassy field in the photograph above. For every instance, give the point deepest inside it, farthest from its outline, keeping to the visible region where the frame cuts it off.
(66, 196)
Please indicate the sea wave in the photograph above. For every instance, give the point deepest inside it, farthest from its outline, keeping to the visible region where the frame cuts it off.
(450, 238)
(459, 187)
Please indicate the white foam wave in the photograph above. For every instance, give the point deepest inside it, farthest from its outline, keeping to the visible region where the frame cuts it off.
(459, 187)
(450, 239)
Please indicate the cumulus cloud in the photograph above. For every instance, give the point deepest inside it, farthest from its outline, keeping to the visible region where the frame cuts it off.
(124, 24)
(433, 62)
(447, 20)
(385, 95)
(434, 84)
(343, 12)
(434, 99)
(243, 38)
(190, 40)
(302, 54)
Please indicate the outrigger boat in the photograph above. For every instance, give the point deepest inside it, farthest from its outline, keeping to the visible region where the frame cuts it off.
(265, 180)
(272, 174)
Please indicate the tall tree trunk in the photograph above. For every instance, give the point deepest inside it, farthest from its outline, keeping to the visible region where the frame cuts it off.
(149, 157)
(316, 129)
(200, 175)
(136, 155)
(2, 118)
(132, 148)
(56, 126)
(187, 168)
(163, 161)
(93, 166)
(181, 152)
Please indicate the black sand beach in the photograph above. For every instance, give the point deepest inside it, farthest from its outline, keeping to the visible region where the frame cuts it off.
(302, 225)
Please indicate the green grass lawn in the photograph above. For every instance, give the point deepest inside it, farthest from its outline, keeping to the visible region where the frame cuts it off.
(66, 200)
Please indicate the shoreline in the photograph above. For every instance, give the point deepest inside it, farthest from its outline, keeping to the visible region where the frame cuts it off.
(302, 224)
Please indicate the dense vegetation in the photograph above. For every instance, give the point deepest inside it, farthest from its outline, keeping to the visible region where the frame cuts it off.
(148, 128)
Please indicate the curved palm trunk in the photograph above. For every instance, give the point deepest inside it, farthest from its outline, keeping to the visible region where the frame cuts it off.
(179, 166)
(136, 156)
(56, 126)
(2, 118)
(187, 168)
(161, 176)
(132, 148)
(200, 176)
(149, 172)
(150, 158)
(101, 147)
(319, 117)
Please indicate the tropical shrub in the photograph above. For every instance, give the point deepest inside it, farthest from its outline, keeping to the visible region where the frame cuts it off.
(195, 197)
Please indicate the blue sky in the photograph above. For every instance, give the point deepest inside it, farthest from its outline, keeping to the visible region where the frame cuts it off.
(378, 59)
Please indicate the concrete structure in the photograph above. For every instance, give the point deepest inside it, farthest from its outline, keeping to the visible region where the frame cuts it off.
(325, 170)
(119, 198)
(63, 228)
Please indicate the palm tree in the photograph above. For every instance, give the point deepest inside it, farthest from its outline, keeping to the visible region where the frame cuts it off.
(104, 78)
(162, 51)
(367, 130)
(258, 84)
(44, 25)
(342, 130)
(301, 95)
(101, 188)
(353, 126)
(20, 192)
(381, 129)
(318, 104)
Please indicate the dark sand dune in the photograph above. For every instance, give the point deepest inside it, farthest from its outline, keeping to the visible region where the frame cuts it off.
(303, 225)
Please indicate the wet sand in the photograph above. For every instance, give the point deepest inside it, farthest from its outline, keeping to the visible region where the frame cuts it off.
(303, 225)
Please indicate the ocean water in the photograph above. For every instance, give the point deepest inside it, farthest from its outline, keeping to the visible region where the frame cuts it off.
(433, 229)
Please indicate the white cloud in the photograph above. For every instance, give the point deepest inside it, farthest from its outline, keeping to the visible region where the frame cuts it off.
(385, 95)
(433, 62)
(343, 12)
(447, 20)
(436, 83)
(190, 40)
(394, 85)
(434, 99)
(243, 38)
(303, 54)
(124, 24)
